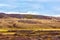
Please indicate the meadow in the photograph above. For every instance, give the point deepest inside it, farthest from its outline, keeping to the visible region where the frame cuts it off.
(29, 29)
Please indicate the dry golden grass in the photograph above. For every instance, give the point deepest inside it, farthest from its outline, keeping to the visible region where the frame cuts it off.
(28, 23)
(29, 28)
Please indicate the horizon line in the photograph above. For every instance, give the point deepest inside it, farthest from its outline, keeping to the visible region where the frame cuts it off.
(31, 13)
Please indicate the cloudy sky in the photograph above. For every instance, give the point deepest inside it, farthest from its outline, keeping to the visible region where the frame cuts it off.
(42, 7)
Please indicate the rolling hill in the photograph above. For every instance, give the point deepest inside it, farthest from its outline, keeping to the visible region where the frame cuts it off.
(29, 27)
(26, 21)
(29, 16)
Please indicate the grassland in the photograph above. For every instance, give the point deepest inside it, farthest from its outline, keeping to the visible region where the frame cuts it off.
(29, 29)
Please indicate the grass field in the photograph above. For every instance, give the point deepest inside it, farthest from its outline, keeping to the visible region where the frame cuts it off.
(29, 29)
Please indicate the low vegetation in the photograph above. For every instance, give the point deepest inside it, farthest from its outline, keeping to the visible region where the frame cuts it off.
(29, 27)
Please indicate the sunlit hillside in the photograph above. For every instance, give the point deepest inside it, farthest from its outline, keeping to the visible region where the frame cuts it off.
(29, 27)
(30, 22)
(24, 23)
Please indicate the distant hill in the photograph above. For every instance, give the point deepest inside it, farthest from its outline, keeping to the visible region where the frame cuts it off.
(28, 16)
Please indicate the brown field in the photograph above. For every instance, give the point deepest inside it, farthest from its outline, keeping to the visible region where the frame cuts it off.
(29, 29)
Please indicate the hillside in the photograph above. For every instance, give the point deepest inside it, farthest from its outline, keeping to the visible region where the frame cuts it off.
(28, 21)
(29, 27)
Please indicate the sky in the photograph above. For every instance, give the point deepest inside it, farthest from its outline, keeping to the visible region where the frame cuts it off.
(40, 7)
